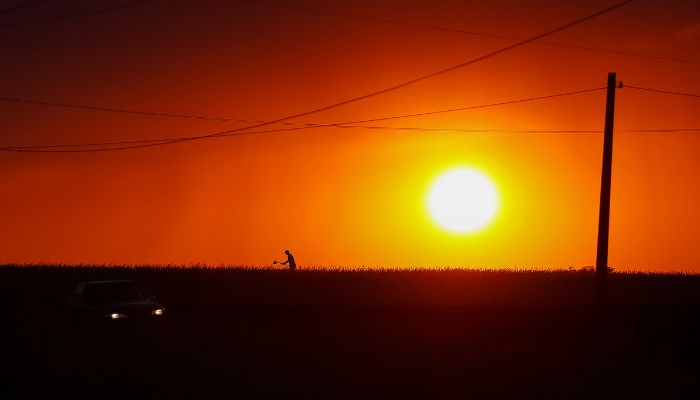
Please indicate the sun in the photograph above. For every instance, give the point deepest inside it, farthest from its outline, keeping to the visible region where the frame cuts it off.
(462, 200)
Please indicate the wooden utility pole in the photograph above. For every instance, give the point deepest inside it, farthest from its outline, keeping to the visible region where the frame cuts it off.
(601, 265)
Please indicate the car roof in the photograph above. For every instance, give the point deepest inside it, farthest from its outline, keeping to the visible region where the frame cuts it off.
(106, 282)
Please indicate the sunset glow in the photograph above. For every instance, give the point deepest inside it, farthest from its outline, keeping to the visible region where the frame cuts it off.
(356, 199)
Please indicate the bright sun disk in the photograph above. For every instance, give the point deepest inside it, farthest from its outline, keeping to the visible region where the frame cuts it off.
(462, 200)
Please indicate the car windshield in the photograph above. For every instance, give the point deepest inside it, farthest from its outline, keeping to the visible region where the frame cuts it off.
(112, 293)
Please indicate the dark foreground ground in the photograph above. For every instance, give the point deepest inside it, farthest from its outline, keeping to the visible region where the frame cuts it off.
(355, 335)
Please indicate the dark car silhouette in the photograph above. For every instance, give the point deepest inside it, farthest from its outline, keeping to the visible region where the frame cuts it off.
(115, 300)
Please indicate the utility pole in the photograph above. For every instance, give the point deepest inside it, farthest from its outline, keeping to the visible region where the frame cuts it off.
(601, 266)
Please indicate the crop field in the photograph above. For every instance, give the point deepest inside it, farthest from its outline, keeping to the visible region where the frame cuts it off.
(354, 334)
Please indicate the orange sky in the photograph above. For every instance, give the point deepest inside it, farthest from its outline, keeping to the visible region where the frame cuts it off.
(346, 196)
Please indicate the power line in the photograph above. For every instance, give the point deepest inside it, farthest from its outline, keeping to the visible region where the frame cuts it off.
(298, 126)
(230, 119)
(61, 148)
(124, 111)
(397, 86)
(21, 6)
(662, 91)
(502, 103)
(376, 93)
(76, 15)
(669, 130)
(53, 146)
(422, 129)
(459, 130)
(346, 124)
(460, 31)
(391, 128)
(455, 67)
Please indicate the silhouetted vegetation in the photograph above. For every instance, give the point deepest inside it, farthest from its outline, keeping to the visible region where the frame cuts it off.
(356, 333)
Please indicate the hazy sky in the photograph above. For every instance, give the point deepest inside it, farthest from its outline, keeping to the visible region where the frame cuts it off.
(345, 196)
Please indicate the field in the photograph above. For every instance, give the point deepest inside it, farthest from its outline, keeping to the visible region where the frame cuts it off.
(384, 334)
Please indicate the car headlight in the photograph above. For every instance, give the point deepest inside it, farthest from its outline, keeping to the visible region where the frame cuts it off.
(158, 311)
(117, 316)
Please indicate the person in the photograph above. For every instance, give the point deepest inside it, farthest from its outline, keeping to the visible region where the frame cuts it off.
(290, 261)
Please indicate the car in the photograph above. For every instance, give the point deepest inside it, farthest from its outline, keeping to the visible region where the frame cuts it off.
(115, 300)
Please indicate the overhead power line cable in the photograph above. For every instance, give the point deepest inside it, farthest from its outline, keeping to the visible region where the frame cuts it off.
(662, 91)
(123, 111)
(667, 130)
(460, 31)
(298, 126)
(65, 148)
(422, 129)
(459, 130)
(21, 6)
(397, 86)
(231, 119)
(455, 67)
(449, 110)
(281, 130)
(76, 15)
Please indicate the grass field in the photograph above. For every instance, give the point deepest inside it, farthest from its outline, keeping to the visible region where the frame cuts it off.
(385, 334)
